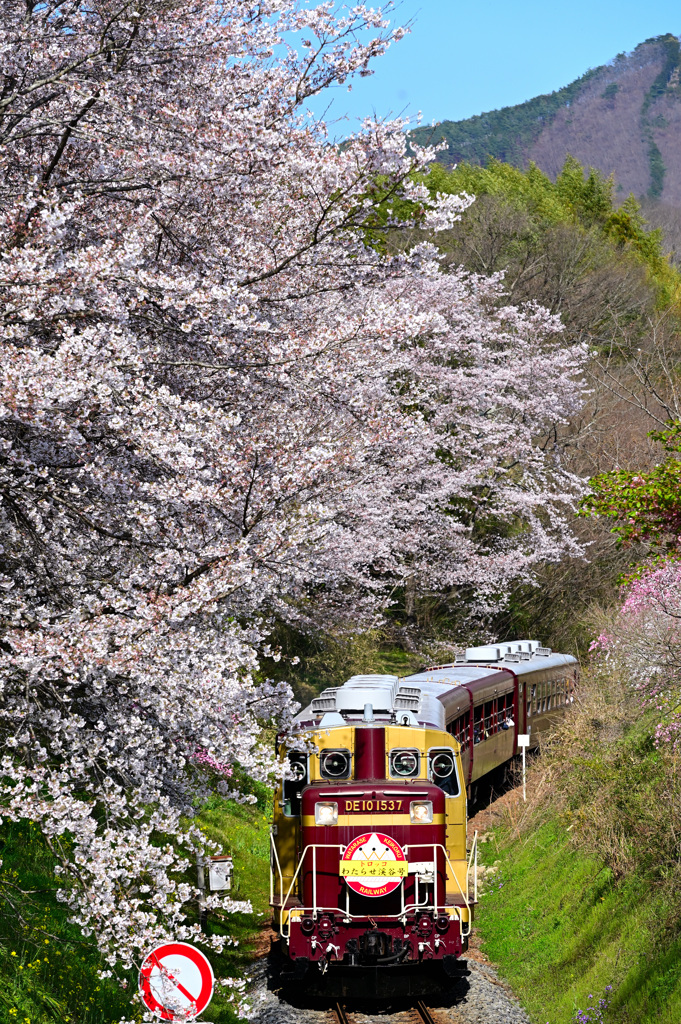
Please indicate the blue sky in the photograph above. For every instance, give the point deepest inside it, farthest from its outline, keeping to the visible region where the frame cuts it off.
(462, 59)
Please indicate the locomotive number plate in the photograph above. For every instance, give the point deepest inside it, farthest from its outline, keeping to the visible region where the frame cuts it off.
(385, 806)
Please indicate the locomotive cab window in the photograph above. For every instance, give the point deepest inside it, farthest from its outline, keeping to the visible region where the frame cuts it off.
(442, 770)
(335, 764)
(293, 786)
(405, 763)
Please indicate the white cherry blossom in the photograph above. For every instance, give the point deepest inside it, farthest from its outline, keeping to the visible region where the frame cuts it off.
(223, 401)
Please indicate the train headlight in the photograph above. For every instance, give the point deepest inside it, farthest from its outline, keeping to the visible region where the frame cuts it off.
(421, 812)
(326, 814)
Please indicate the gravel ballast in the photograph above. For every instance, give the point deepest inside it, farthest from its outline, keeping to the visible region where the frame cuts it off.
(476, 997)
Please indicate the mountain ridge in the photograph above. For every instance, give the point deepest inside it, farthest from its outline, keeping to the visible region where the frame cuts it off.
(623, 117)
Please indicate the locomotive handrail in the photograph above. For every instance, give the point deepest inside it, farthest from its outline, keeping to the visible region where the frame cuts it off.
(315, 910)
(439, 846)
(474, 850)
(273, 850)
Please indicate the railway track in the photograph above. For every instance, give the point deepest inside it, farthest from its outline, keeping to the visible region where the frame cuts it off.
(421, 1011)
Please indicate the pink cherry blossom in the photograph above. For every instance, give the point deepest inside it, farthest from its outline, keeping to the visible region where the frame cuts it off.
(645, 639)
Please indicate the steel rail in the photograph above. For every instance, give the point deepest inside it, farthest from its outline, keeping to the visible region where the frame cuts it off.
(339, 1010)
(421, 1008)
(424, 1012)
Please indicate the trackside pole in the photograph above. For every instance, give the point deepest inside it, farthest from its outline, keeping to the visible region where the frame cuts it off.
(523, 743)
(201, 886)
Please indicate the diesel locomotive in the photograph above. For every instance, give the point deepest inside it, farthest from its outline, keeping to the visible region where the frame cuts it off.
(370, 865)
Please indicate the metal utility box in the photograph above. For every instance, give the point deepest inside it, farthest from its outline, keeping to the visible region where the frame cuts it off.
(220, 873)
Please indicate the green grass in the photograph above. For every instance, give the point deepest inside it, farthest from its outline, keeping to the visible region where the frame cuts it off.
(561, 929)
(243, 830)
(49, 972)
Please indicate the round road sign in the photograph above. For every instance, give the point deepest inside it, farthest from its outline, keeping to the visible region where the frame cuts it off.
(373, 864)
(176, 981)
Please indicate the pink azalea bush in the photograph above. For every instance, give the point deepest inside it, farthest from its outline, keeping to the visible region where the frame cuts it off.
(645, 639)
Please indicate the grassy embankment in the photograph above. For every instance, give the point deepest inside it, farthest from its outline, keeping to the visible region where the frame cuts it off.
(49, 972)
(586, 891)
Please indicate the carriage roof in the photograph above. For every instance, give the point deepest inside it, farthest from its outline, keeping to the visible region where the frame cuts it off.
(433, 695)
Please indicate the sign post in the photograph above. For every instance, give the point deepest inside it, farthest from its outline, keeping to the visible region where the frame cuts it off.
(523, 743)
(176, 982)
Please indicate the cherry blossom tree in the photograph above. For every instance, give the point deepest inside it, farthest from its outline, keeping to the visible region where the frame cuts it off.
(222, 401)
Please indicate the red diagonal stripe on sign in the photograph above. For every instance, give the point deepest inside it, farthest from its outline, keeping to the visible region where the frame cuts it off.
(178, 984)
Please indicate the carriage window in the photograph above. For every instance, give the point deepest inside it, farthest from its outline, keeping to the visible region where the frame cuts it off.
(293, 787)
(458, 728)
(405, 764)
(535, 706)
(489, 718)
(334, 764)
(442, 770)
(506, 716)
(477, 724)
(463, 730)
